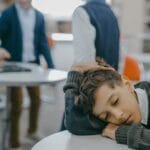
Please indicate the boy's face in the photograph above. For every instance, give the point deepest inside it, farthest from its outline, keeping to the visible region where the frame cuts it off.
(117, 105)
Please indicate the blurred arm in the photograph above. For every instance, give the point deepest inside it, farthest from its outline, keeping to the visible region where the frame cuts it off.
(84, 37)
(4, 24)
(44, 46)
(4, 55)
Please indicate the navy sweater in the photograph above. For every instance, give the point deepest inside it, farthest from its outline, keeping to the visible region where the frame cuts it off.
(107, 31)
(11, 36)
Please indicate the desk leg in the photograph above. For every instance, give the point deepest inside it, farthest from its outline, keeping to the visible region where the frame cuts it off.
(5, 122)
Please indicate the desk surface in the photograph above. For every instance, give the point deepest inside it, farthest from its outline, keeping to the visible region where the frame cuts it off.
(38, 75)
(66, 141)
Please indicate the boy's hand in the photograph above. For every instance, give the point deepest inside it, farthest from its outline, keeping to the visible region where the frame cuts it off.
(110, 130)
(83, 67)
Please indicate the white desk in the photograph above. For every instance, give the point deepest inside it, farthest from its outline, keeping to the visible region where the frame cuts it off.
(67, 141)
(37, 76)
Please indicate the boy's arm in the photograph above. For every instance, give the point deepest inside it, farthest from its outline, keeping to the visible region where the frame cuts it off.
(75, 120)
(135, 135)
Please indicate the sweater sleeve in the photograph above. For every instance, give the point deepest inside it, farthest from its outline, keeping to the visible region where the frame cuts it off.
(135, 136)
(83, 42)
(45, 48)
(4, 24)
(75, 120)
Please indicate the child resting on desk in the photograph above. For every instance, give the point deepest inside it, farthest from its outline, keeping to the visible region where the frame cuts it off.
(100, 101)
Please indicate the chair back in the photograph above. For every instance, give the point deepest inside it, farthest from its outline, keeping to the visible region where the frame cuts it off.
(132, 69)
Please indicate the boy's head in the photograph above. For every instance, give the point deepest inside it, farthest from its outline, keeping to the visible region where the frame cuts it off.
(104, 93)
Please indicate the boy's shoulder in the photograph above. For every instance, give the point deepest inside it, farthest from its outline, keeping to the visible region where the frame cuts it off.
(143, 85)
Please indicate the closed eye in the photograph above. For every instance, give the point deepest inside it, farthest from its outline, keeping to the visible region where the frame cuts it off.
(115, 102)
(107, 116)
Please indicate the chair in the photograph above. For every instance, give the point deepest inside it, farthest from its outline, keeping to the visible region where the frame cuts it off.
(132, 68)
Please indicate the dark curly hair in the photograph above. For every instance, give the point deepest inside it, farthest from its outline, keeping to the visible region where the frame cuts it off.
(92, 80)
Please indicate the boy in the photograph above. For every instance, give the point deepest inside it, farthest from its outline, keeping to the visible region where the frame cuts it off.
(100, 100)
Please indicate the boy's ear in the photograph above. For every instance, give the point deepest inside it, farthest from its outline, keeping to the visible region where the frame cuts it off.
(127, 83)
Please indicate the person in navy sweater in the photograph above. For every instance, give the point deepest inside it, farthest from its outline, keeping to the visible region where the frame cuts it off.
(96, 33)
(101, 101)
(22, 34)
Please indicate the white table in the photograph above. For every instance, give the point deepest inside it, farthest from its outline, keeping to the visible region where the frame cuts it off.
(37, 76)
(67, 141)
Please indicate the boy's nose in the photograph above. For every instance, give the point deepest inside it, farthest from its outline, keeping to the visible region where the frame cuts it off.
(119, 115)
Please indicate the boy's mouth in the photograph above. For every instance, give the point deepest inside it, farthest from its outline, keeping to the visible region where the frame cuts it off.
(128, 120)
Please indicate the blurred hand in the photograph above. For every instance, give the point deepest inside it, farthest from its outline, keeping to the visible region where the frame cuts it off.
(4, 54)
(83, 67)
(110, 130)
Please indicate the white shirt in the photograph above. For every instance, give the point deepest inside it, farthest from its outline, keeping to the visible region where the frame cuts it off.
(143, 103)
(27, 23)
(84, 37)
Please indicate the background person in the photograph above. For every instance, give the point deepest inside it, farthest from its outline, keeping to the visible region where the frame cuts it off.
(96, 33)
(22, 33)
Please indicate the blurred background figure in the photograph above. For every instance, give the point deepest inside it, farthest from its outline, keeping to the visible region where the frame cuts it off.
(96, 33)
(22, 34)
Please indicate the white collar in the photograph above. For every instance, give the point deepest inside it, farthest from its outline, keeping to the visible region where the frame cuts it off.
(143, 103)
(21, 9)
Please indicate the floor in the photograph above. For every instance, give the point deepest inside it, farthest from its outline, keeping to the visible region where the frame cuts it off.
(51, 111)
